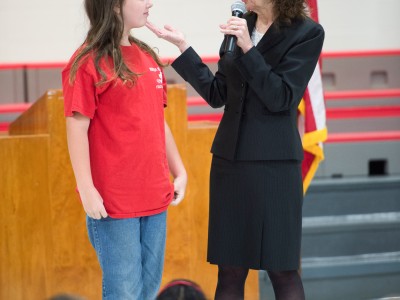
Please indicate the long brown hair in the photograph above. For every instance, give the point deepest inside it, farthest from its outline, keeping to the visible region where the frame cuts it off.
(103, 39)
(286, 11)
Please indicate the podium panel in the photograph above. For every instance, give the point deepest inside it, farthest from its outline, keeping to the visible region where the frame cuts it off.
(44, 248)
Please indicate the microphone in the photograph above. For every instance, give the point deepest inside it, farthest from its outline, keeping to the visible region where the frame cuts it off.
(238, 9)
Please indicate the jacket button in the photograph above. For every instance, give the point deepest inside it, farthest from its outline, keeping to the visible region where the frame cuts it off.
(242, 84)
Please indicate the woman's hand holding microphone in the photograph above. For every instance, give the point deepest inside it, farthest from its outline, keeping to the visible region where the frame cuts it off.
(238, 27)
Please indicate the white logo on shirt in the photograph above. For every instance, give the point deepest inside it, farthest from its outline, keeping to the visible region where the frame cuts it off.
(159, 80)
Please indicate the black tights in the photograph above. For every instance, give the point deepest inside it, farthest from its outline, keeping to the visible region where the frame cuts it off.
(231, 281)
(287, 285)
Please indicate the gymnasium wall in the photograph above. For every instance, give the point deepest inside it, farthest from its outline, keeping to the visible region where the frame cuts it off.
(50, 30)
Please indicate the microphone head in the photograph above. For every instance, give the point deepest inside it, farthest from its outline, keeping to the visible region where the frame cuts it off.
(239, 6)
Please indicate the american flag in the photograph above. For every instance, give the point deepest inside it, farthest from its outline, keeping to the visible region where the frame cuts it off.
(312, 119)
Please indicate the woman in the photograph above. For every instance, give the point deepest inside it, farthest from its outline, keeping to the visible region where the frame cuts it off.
(121, 148)
(255, 182)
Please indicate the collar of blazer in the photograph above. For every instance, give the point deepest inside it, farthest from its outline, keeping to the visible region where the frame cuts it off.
(272, 37)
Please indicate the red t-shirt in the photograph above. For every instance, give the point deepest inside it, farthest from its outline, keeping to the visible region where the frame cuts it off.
(126, 133)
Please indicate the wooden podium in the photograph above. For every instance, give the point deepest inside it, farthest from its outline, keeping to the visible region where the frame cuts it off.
(44, 248)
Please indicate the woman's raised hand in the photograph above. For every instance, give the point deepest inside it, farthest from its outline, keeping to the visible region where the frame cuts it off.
(169, 34)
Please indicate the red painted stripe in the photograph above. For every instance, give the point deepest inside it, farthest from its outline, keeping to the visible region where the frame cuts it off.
(196, 101)
(332, 54)
(331, 113)
(38, 65)
(205, 117)
(4, 126)
(12, 108)
(363, 112)
(361, 53)
(362, 94)
(205, 59)
(331, 95)
(208, 59)
(11, 66)
(351, 137)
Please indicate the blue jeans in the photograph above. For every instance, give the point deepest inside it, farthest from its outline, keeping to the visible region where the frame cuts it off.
(131, 255)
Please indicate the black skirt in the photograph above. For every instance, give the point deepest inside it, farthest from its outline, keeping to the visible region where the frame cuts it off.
(255, 214)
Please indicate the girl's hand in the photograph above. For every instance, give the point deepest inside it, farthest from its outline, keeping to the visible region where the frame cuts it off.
(179, 189)
(238, 27)
(92, 203)
(169, 34)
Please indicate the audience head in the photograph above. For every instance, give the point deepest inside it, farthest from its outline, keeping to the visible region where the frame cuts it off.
(181, 289)
(66, 297)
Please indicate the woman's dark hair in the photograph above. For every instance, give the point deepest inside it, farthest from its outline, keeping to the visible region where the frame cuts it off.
(103, 40)
(286, 11)
(181, 289)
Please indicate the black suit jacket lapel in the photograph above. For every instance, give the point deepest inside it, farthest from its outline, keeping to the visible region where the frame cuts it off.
(251, 19)
(271, 38)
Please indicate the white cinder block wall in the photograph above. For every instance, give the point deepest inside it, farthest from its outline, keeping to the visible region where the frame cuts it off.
(50, 30)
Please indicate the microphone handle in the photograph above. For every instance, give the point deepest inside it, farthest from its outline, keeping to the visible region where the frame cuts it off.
(230, 45)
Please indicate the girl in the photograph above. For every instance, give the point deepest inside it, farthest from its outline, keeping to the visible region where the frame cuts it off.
(121, 149)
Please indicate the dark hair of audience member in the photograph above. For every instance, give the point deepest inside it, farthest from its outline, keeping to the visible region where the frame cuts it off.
(66, 297)
(181, 289)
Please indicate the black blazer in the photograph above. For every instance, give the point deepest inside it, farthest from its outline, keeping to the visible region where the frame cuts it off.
(261, 90)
